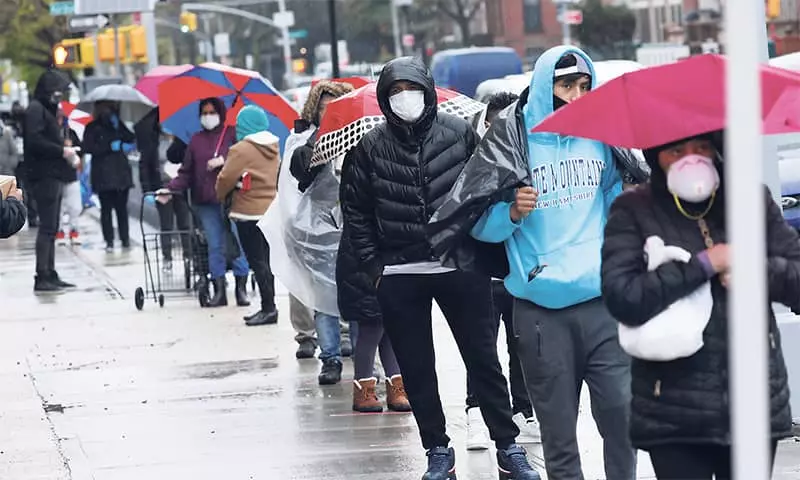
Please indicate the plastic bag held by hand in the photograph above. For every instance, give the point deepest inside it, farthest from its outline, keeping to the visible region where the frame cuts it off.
(677, 332)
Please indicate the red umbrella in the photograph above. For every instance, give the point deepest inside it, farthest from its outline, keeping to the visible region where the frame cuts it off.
(76, 119)
(149, 82)
(348, 118)
(660, 105)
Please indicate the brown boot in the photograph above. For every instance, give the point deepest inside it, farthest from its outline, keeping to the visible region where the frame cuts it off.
(364, 398)
(396, 398)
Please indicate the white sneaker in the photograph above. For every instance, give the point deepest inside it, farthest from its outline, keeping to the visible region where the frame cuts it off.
(477, 433)
(528, 429)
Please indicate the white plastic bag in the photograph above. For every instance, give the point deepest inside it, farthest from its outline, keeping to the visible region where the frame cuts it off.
(677, 332)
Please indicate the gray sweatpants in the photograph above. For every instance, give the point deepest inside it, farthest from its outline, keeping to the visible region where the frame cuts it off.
(559, 350)
(302, 319)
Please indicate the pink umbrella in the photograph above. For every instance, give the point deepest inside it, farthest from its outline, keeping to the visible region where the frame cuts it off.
(150, 81)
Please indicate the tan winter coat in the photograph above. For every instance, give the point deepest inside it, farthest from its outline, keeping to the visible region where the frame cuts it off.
(258, 155)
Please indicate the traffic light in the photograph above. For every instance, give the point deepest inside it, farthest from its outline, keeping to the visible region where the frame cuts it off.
(61, 54)
(773, 9)
(138, 43)
(68, 54)
(188, 22)
(105, 46)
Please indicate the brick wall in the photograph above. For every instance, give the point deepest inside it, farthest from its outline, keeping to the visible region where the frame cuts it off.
(506, 23)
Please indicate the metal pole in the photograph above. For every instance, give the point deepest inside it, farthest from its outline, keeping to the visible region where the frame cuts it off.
(769, 160)
(747, 357)
(398, 47)
(98, 66)
(287, 48)
(334, 40)
(566, 31)
(117, 62)
(209, 42)
(149, 23)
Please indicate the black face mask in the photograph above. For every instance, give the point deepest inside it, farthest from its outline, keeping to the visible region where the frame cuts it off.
(558, 103)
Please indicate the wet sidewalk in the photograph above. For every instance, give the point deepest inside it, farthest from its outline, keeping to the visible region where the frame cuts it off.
(94, 389)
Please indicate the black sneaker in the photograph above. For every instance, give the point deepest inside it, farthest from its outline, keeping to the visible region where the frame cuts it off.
(61, 283)
(331, 372)
(306, 349)
(346, 347)
(441, 464)
(512, 464)
(45, 284)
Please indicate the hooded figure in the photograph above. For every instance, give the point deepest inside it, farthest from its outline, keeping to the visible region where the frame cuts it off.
(680, 409)
(256, 155)
(544, 199)
(48, 169)
(392, 182)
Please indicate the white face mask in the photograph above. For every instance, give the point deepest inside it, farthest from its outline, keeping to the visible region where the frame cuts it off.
(209, 122)
(408, 105)
(693, 178)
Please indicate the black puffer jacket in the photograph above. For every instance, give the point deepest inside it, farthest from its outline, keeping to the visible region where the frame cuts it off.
(44, 138)
(687, 400)
(111, 169)
(399, 174)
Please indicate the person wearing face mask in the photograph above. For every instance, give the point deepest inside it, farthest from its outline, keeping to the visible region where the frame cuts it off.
(680, 410)
(153, 144)
(48, 166)
(205, 155)
(392, 182)
(531, 208)
(109, 142)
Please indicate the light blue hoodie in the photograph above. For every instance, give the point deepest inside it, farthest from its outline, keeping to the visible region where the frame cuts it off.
(577, 181)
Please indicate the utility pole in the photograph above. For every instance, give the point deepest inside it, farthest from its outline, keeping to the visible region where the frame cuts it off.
(334, 40)
(398, 47)
(149, 23)
(117, 62)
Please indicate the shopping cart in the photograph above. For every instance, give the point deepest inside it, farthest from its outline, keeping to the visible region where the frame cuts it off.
(175, 262)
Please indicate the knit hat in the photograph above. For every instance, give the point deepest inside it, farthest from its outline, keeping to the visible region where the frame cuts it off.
(251, 119)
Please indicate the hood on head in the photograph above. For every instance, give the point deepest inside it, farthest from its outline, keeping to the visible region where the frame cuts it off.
(409, 69)
(540, 102)
(219, 106)
(251, 119)
(50, 82)
(311, 108)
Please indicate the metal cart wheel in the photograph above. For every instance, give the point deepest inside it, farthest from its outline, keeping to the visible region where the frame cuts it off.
(161, 300)
(138, 298)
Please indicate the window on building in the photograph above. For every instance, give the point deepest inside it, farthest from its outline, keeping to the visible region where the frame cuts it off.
(532, 15)
(677, 14)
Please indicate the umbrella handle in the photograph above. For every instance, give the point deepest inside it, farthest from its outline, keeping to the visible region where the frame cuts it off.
(225, 127)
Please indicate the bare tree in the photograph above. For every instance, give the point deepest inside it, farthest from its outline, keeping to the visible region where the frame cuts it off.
(462, 12)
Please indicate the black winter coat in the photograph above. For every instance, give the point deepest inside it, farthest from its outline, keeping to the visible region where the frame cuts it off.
(687, 400)
(43, 136)
(148, 139)
(12, 216)
(399, 174)
(110, 170)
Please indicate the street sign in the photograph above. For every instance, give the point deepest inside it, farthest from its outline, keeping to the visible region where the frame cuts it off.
(94, 7)
(573, 17)
(87, 24)
(283, 19)
(222, 45)
(62, 8)
(298, 34)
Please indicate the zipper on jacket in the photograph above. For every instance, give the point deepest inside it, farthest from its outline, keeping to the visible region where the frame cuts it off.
(657, 389)
(539, 339)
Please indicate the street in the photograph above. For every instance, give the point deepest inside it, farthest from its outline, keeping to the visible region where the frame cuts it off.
(94, 389)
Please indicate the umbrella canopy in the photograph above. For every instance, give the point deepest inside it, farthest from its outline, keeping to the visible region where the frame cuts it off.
(76, 119)
(149, 82)
(181, 95)
(348, 118)
(133, 105)
(662, 104)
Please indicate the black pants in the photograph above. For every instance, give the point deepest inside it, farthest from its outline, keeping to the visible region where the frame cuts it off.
(170, 214)
(504, 309)
(694, 462)
(47, 193)
(256, 250)
(466, 301)
(114, 200)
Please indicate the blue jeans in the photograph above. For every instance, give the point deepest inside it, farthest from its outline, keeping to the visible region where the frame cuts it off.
(329, 336)
(211, 216)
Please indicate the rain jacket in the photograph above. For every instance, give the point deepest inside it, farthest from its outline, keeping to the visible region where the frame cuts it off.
(43, 137)
(258, 155)
(111, 170)
(687, 400)
(399, 174)
(193, 174)
(577, 179)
